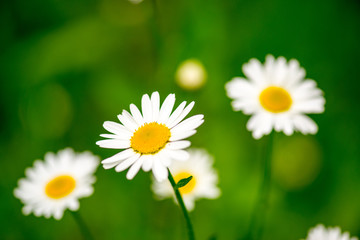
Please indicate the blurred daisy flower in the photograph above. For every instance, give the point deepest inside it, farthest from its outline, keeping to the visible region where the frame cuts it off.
(191, 74)
(277, 96)
(321, 233)
(202, 185)
(135, 1)
(53, 185)
(150, 140)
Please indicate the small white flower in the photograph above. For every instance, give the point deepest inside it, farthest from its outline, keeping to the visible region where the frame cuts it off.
(53, 185)
(277, 96)
(321, 233)
(202, 185)
(191, 74)
(152, 139)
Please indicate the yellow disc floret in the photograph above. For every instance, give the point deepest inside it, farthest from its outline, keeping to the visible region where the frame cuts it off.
(275, 99)
(189, 187)
(150, 138)
(60, 186)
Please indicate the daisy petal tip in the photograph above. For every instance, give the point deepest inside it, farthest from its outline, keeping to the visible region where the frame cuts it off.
(119, 170)
(129, 177)
(257, 136)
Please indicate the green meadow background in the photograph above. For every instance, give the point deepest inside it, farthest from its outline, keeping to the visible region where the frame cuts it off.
(68, 66)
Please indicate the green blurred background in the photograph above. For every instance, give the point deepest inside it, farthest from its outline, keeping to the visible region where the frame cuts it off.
(67, 66)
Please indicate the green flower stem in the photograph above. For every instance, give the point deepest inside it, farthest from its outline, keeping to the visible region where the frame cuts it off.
(258, 219)
(182, 206)
(83, 228)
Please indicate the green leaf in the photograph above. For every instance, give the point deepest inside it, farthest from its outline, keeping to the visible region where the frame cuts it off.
(183, 182)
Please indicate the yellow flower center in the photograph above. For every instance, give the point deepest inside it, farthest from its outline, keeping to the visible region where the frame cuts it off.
(189, 187)
(150, 138)
(60, 186)
(275, 99)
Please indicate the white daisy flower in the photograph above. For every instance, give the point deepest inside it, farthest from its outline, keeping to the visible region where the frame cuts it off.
(53, 185)
(150, 140)
(321, 233)
(191, 74)
(202, 185)
(277, 96)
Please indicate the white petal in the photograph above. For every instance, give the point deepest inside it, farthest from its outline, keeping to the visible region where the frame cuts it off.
(260, 124)
(136, 114)
(155, 101)
(188, 124)
(239, 88)
(160, 172)
(315, 105)
(254, 71)
(127, 163)
(288, 127)
(119, 156)
(26, 210)
(182, 135)
(279, 123)
(58, 214)
(295, 73)
(74, 205)
(176, 113)
(178, 145)
(146, 108)
(127, 120)
(305, 124)
(114, 143)
(253, 122)
(279, 72)
(181, 116)
(180, 155)
(148, 162)
(164, 158)
(110, 165)
(117, 129)
(134, 169)
(248, 106)
(189, 203)
(166, 108)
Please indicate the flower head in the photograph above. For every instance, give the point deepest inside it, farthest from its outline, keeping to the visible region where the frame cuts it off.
(202, 185)
(150, 140)
(191, 74)
(53, 185)
(321, 233)
(277, 96)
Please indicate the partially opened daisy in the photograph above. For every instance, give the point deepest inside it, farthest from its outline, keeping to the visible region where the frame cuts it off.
(321, 233)
(202, 185)
(53, 185)
(277, 96)
(152, 139)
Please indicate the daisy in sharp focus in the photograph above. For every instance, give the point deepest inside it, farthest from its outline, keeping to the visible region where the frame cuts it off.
(321, 233)
(277, 96)
(53, 185)
(152, 139)
(202, 185)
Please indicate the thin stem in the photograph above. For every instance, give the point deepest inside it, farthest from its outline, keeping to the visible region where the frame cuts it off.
(183, 208)
(83, 228)
(258, 218)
